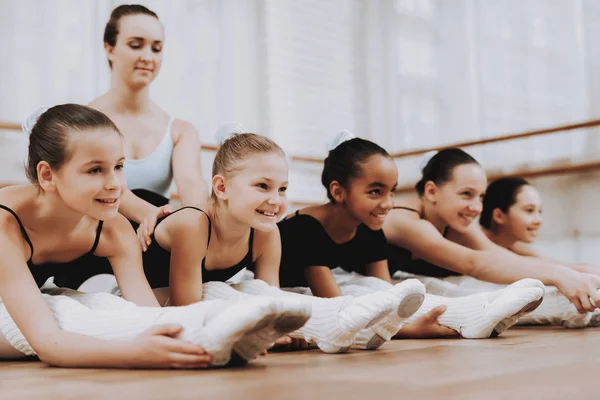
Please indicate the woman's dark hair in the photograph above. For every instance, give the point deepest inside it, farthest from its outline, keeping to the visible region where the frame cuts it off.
(440, 167)
(48, 137)
(111, 31)
(502, 194)
(344, 162)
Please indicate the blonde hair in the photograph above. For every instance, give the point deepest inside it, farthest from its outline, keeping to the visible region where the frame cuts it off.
(240, 147)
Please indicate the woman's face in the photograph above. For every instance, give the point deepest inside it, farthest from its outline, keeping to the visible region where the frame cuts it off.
(137, 55)
(524, 218)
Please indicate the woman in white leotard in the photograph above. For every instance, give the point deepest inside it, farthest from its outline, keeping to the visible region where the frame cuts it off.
(158, 147)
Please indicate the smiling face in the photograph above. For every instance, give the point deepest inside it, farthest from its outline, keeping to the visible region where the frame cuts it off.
(458, 202)
(255, 191)
(137, 55)
(370, 195)
(524, 218)
(91, 179)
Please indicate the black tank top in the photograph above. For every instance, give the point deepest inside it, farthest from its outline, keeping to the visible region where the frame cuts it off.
(157, 260)
(42, 272)
(400, 259)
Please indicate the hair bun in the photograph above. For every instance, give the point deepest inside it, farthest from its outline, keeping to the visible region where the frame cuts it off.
(32, 119)
(228, 130)
(343, 136)
(426, 158)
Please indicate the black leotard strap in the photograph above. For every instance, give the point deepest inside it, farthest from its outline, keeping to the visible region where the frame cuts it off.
(412, 209)
(405, 208)
(195, 208)
(250, 243)
(446, 231)
(98, 232)
(22, 227)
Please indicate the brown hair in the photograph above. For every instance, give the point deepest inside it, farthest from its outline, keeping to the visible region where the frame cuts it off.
(48, 137)
(440, 167)
(240, 147)
(502, 194)
(111, 31)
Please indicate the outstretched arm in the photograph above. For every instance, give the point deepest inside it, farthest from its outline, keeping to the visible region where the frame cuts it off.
(480, 258)
(23, 301)
(119, 244)
(185, 235)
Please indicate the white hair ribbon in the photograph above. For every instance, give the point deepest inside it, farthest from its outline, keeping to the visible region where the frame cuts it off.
(343, 136)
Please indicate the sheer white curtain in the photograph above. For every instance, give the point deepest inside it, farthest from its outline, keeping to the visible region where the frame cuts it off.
(406, 73)
(53, 53)
(448, 71)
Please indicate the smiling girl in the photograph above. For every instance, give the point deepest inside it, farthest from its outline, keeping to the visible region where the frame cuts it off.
(435, 235)
(199, 249)
(158, 147)
(511, 217)
(69, 214)
(360, 178)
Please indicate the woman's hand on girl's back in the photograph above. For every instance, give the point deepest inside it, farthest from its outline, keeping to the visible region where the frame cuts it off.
(146, 228)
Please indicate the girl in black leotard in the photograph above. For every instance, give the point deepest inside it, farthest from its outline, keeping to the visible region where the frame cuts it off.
(239, 228)
(360, 178)
(69, 214)
(511, 217)
(438, 227)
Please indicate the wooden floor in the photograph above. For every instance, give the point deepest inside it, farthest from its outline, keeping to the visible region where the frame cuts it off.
(526, 363)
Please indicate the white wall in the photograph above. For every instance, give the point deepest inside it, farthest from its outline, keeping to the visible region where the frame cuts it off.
(406, 73)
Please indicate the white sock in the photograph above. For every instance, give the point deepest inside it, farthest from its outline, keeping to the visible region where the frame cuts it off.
(483, 315)
(94, 301)
(216, 326)
(467, 287)
(556, 309)
(291, 315)
(335, 322)
(409, 297)
(447, 289)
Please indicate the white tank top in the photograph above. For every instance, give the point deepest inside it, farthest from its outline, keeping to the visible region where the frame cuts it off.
(154, 172)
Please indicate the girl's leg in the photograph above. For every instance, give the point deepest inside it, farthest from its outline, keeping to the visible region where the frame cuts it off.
(488, 314)
(383, 331)
(217, 326)
(8, 352)
(334, 323)
(555, 309)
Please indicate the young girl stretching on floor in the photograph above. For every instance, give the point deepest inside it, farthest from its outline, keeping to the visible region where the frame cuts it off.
(360, 178)
(511, 217)
(435, 235)
(238, 229)
(70, 213)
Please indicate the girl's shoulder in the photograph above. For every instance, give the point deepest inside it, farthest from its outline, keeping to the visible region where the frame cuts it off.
(412, 205)
(13, 199)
